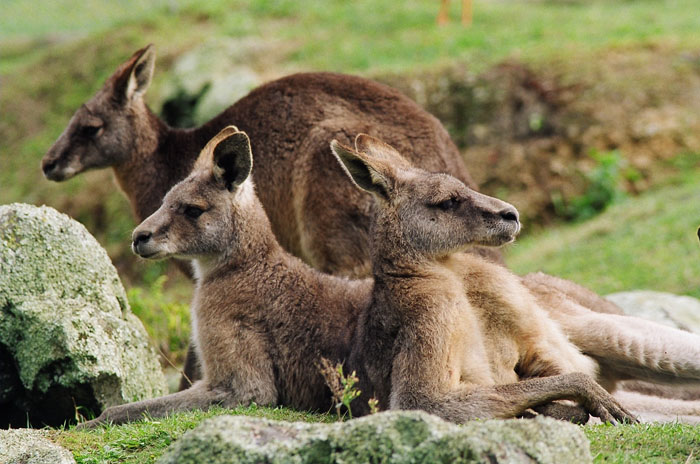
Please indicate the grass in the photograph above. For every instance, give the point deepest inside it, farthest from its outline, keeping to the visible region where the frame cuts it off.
(648, 242)
(145, 441)
(644, 443)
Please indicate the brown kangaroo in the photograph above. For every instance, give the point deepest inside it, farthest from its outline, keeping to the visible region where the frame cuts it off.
(262, 318)
(314, 213)
(450, 333)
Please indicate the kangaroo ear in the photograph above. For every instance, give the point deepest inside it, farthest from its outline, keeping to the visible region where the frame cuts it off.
(379, 150)
(362, 171)
(233, 159)
(133, 77)
(698, 233)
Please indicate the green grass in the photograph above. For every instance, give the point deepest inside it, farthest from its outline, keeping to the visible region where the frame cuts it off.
(666, 443)
(146, 441)
(648, 242)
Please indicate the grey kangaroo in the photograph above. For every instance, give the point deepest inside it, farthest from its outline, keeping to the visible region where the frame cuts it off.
(262, 318)
(436, 306)
(313, 212)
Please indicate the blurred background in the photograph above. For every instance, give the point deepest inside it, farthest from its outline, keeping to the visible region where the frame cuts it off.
(584, 114)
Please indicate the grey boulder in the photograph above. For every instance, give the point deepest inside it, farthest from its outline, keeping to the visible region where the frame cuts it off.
(68, 341)
(28, 446)
(387, 437)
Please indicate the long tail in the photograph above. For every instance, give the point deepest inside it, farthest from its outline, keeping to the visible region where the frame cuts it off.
(630, 347)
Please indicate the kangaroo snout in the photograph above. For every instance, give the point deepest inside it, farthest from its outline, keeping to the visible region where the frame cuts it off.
(141, 243)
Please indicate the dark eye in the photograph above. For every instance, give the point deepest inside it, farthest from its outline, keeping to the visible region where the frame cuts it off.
(193, 212)
(448, 205)
(89, 131)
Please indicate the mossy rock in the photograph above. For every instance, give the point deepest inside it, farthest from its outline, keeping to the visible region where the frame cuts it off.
(68, 341)
(388, 437)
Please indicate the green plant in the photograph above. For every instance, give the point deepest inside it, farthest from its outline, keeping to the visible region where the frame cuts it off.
(603, 187)
(342, 387)
(167, 320)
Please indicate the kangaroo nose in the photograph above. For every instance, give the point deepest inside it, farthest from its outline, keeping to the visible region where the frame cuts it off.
(141, 237)
(509, 214)
(48, 167)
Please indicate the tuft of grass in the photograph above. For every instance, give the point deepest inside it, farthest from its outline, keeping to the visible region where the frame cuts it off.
(649, 242)
(657, 443)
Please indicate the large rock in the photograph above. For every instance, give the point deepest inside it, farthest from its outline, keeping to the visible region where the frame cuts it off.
(28, 446)
(208, 79)
(68, 340)
(388, 437)
(680, 312)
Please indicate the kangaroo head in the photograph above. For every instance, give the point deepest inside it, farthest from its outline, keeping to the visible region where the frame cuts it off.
(204, 215)
(421, 212)
(104, 131)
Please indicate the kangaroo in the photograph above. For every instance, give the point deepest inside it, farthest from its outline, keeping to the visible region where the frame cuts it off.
(441, 307)
(455, 336)
(262, 318)
(314, 213)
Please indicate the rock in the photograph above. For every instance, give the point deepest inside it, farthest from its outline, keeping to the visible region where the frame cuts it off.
(210, 78)
(68, 340)
(680, 312)
(388, 437)
(28, 446)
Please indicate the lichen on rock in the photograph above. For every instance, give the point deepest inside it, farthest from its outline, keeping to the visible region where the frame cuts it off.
(388, 437)
(29, 446)
(67, 336)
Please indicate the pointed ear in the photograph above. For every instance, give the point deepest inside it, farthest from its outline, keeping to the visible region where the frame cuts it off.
(698, 233)
(362, 171)
(133, 77)
(233, 159)
(379, 150)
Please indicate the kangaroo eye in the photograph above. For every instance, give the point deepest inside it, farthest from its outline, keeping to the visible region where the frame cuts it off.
(90, 131)
(193, 212)
(447, 205)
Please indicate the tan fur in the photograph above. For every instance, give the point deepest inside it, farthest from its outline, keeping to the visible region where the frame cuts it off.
(314, 213)
(537, 323)
(452, 333)
(262, 319)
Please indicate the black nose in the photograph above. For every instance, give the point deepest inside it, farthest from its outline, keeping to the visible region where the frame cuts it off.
(48, 167)
(509, 214)
(142, 237)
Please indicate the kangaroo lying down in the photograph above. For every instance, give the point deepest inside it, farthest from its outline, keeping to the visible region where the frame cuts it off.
(467, 325)
(263, 319)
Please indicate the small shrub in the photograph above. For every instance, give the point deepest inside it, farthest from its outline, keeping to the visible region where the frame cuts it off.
(603, 187)
(342, 386)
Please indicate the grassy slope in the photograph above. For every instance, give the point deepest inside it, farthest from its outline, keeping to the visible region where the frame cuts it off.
(648, 242)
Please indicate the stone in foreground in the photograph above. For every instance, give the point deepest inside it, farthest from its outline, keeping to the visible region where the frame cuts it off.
(28, 446)
(387, 437)
(68, 340)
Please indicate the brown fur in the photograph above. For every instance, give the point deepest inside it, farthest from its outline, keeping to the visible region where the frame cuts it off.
(449, 332)
(262, 319)
(314, 213)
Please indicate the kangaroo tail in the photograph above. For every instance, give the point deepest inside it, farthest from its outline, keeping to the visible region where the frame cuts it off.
(631, 347)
